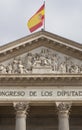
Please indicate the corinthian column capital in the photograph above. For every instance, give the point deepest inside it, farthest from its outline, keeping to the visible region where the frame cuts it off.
(21, 108)
(63, 106)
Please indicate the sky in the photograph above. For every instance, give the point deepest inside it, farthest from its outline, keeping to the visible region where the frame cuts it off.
(62, 17)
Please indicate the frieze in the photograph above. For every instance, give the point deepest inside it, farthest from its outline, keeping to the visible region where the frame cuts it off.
(25, 95)
(44, 61)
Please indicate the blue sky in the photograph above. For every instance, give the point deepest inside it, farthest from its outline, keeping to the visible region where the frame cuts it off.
(63, 17)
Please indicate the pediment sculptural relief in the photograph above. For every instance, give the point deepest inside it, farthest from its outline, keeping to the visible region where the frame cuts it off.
(44, 61)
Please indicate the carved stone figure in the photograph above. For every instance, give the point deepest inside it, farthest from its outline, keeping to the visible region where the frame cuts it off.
(76, 69)
(54, 62)
(2, 69)
(44, 61)
(9, 68)
(72, 67)
(15, 66)
(62, 67)
(20, 67)
(28, 61)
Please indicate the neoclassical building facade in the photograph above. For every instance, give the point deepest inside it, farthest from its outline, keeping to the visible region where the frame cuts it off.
(41, 83)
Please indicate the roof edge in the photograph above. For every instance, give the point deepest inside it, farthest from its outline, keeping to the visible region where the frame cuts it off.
(36, 34)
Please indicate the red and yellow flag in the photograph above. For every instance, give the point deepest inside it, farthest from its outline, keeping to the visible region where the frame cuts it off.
(37, 20)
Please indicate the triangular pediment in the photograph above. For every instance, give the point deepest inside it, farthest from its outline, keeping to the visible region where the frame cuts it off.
(41, 52)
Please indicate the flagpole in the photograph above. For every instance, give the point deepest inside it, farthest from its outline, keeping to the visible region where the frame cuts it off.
(44, 15)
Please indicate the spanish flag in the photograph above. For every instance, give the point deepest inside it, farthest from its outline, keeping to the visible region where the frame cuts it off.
(37, 20)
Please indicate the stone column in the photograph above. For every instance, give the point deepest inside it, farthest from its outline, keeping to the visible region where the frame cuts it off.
(63, 115)
(21, 109)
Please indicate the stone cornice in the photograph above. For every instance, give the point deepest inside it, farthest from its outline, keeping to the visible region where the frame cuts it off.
(41, 76)
(33, 80)
(41, 33)
(38, 39)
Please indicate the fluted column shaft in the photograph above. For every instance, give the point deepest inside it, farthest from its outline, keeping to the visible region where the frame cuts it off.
(21, 109)
(63, 115)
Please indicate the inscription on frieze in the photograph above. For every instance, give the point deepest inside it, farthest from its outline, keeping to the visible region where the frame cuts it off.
(40, 94)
